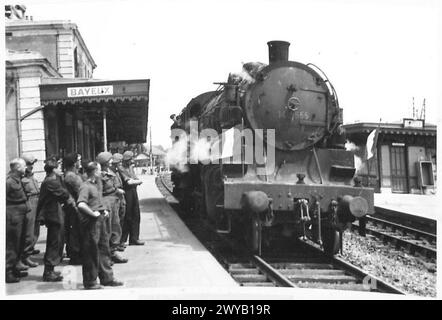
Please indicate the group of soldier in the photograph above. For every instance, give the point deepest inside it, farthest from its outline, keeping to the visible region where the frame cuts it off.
(92, 208)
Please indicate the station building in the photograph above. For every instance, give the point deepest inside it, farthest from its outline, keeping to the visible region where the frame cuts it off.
(54, 106)
(404, 160)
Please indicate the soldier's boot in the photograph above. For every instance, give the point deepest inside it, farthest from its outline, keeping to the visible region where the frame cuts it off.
(20, 266)
(116, 258)
(50, 276)
(11, 278)
(27, 261)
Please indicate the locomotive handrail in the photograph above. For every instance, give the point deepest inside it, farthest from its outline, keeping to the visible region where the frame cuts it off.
(327, 81)
(317, 164)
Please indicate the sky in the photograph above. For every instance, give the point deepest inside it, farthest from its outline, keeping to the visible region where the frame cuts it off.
(378, 54)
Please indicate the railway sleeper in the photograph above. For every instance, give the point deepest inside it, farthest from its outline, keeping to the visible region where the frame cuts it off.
(258, 284)
(322, 278)
(244, 271)
(334, 286)
(245, 265)
(291, 265)
(242, 278)
(326, 272)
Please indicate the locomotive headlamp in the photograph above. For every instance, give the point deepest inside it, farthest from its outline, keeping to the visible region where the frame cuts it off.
(255, 201)
(357, 206)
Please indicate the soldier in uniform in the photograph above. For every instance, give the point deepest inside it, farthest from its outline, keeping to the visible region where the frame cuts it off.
(131, 226)
(32, 191)
(116, 165)
(16, 209)
(53, 195)
(73, 181)
(94, 236)
(112, 192)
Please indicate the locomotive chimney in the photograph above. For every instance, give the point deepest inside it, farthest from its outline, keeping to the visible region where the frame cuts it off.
(278, 51)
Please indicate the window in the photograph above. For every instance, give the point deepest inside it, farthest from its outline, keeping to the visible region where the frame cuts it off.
(76, 69)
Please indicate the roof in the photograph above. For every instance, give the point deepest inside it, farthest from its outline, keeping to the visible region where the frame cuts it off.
(25, 58)
(125, 101)
(56, 91)
(24, 25)
(390, 128)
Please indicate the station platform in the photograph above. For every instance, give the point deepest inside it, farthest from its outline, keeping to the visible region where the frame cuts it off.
(171, 258)
(424, 209)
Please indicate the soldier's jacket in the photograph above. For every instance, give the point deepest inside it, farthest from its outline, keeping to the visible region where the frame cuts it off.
(53, 194)
(15, 193)
(30, 184)
(110, 182)
(127, 173)
(73, 182)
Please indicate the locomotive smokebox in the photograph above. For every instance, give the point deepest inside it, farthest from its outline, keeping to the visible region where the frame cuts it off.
(278, 51)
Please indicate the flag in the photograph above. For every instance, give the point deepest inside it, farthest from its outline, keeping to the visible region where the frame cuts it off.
(371, 143)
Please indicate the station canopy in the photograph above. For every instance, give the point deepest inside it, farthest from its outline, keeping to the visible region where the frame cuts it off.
(118, 107)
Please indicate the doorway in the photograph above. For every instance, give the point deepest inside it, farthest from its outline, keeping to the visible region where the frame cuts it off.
(399, 179)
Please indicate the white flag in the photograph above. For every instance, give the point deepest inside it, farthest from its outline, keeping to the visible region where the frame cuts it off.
(223, 145)
(229, 140)
(371, 143)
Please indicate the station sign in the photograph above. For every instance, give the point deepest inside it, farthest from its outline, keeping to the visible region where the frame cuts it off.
(76, 92)
(413, 123)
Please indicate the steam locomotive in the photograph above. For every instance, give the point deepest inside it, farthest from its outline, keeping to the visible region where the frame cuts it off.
(300, 182)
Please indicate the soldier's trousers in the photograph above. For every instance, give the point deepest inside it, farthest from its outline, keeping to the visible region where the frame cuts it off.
(131, 226)
(15, 228)
(122, 213)
(112, 203)
(95, 251)
(32, 231)
(54, 244)
(72, 236)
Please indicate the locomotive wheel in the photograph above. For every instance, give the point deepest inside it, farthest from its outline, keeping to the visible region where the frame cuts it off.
(331, 241)
(254, 234)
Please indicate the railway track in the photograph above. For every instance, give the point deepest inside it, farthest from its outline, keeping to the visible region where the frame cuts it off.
(413, 240)
(307, 268)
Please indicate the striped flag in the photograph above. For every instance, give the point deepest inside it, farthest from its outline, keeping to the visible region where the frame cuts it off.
(371, 143)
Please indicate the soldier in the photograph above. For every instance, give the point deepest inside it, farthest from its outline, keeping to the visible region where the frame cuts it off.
(116, 165)
(16, 209)
(32, 191)
(131, 226)
(53, 195)
(112, 192)
(94, 237)
(73, 181)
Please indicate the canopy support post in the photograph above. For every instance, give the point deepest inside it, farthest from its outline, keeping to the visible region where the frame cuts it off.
(105, 128)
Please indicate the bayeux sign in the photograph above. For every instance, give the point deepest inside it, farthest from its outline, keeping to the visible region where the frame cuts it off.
(90, 91)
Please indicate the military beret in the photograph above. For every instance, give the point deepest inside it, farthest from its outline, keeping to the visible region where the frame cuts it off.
(29, 158)
(117, 157)
(51, 163)
(104, 157)
(127, 155)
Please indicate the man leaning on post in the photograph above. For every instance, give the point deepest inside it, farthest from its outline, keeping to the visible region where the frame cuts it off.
(93, 231)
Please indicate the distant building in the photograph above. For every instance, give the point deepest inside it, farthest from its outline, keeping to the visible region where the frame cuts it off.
(53, 104)
(158, 158)
(405, 157)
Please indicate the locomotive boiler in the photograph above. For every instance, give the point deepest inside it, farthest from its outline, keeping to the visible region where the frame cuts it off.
(300, 183)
